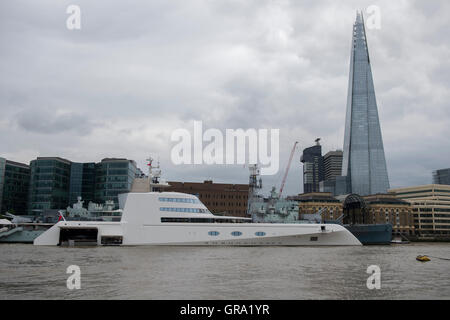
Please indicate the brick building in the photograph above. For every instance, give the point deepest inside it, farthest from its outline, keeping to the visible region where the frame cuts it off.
(219, 198)
(373, 209)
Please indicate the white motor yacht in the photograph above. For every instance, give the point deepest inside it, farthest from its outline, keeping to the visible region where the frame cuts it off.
(158, 217)
(172, 218)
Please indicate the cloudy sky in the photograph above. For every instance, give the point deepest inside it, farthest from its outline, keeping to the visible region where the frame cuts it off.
(136, 71)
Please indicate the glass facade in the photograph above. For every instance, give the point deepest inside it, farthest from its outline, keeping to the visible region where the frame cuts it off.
(56, 183)
(49, 184)
(313, 168)
(364, 162)
(112, 177)
(14, 185)
(82, 182)
(441, 176)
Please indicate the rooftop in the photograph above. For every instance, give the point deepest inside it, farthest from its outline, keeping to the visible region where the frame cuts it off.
(314, 196)
(422, 188)
(208, 185)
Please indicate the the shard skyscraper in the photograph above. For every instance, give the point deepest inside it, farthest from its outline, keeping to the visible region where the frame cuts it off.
(364, 163)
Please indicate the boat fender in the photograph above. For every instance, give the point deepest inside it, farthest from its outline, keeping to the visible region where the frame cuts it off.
(422, 258)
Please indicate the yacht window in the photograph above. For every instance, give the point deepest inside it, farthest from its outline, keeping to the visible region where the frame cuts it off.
(191, 210)
(213, 233)
(183, 200)
(200, 220)
(260, 234)
(236, 233)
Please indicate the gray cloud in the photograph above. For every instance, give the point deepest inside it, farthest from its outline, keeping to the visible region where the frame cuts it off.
(136, 71)
(47, 122)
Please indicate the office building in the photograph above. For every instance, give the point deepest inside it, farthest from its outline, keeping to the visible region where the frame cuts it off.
(82, 182)
(14, 185)
(364, 163)
(49, 184)
(431, 208)
(112, 177)
(441, 176)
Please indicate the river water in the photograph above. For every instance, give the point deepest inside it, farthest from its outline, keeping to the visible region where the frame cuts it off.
(29, 272)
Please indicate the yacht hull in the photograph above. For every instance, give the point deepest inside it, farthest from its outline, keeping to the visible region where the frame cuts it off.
(243, 234)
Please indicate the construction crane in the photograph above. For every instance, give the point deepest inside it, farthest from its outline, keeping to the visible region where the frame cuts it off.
(287, 169)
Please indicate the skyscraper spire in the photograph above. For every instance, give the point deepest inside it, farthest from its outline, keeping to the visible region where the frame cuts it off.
(364, 162)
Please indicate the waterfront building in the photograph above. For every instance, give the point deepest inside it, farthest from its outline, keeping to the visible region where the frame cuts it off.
(313, 168)
(441, 176)
(14, 185)
(372, 209)
(219, 198)
(431, 208)
(113, 176)
(49, 184)
(386, 208)
(364, 163)
(311, 203)
(82, 182)
(56, 183)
